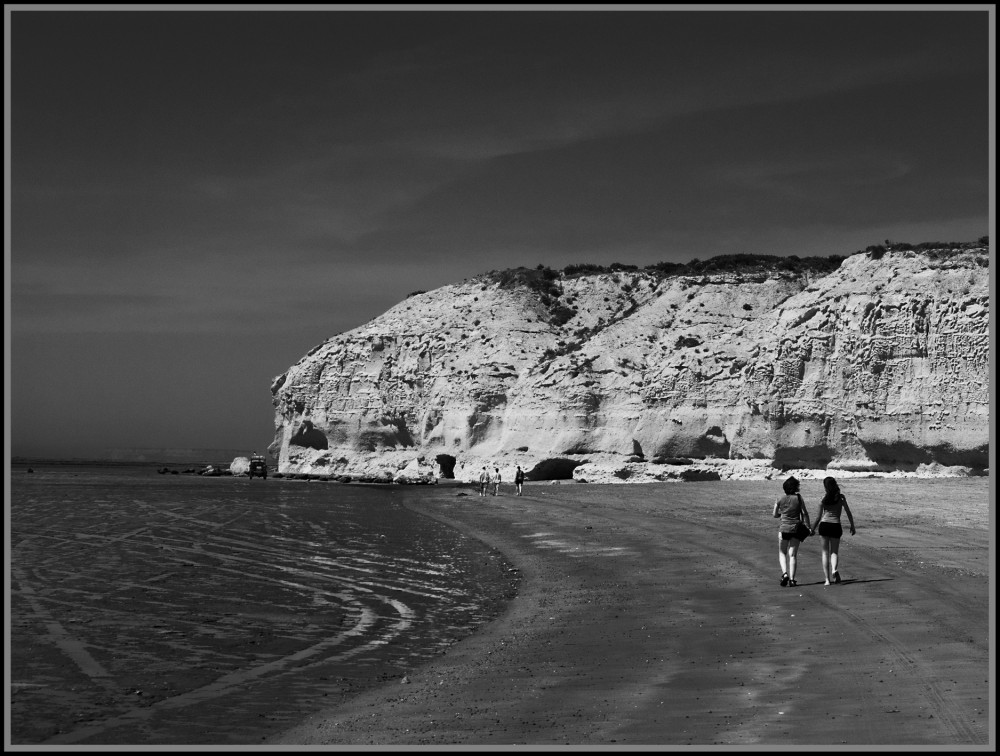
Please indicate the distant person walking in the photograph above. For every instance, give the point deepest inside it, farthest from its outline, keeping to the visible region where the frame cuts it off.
(484, 482)
(792, 510)
(519, 479)
(496, 481)
(829, 529)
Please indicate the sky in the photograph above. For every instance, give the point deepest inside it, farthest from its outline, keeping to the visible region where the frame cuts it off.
(196, 199)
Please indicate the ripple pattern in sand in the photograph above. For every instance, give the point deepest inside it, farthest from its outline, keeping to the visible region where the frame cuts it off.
(216, 611)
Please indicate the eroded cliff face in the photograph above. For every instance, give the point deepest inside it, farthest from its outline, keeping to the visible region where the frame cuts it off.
(881, 364)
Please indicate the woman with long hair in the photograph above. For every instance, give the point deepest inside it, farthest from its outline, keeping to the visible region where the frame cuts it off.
(792, 510)
(829, 529)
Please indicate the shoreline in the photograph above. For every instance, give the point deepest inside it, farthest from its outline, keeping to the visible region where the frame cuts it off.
(652, 615)
(601, 468)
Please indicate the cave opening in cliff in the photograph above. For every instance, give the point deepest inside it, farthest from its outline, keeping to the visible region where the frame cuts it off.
(309, 437)
(447, 464)
(906, 456)
(898, 455)
(553, 469)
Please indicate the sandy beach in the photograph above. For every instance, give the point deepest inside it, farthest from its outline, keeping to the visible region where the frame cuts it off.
(653, 615)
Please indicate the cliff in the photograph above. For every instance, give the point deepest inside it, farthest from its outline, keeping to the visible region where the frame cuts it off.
(736, 366)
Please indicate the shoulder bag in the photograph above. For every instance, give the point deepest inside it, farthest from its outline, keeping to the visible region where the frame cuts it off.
(801, 531)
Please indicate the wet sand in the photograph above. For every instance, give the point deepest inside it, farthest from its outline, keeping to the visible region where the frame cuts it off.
(161, 610)
(652, 615)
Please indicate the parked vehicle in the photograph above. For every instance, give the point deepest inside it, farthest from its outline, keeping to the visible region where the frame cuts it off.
(258, 466)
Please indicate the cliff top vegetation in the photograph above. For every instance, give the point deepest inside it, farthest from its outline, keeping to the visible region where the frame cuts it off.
(933, 249)
(544, 279)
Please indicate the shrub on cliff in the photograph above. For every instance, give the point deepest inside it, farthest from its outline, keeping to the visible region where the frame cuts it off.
(541, 280)
(584, 269)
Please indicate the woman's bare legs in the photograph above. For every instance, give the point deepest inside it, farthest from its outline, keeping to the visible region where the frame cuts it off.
(793, 550)
(825, 556)
(834, 557)
(787, 551)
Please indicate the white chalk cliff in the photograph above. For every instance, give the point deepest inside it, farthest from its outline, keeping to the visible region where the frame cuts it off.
(736, 366)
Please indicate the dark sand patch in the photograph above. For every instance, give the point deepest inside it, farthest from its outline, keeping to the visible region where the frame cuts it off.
(651, 614)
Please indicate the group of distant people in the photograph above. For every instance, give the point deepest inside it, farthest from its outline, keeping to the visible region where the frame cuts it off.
(488, 480)
(796, 526)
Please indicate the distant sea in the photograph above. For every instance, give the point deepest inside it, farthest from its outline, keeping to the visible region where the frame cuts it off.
(151, 609)
(162, 455)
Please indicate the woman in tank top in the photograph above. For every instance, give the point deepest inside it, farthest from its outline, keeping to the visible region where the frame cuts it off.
(828, 527)
(791, 509)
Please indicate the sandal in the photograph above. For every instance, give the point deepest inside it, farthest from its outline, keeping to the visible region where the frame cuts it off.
(836, 577)
(784, 580)
(793, 584)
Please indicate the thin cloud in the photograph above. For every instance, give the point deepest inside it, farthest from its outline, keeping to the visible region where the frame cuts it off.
(799, 177)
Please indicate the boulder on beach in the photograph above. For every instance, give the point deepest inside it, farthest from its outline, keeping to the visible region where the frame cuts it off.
(239, 466)
(416, 471)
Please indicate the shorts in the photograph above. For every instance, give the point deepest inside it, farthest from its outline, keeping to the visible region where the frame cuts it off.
(830, 529)
(788, 536)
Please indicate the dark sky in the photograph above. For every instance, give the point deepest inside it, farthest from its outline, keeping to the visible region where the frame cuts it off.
(199, 198)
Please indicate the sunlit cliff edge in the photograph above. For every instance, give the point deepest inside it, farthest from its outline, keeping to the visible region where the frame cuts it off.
(739, 366)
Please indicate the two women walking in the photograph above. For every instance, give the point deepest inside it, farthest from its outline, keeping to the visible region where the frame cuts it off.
(795, 527)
